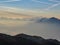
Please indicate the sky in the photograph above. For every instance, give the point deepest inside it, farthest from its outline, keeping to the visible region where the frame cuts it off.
(15, 17)
(45, 8)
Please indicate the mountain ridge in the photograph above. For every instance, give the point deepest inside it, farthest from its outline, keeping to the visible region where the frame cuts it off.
(24, 39)
(49, 20)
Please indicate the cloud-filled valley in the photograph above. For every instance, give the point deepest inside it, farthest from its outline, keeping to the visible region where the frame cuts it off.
(32, 26)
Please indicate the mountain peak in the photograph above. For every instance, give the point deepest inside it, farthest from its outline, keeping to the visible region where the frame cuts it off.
(50, 20)
(53, 18)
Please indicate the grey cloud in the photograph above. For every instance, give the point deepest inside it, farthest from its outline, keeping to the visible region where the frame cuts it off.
(45, 30)
(16, 19)
(42, 29)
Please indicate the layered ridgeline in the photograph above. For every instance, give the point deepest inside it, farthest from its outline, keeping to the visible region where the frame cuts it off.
(23, 39)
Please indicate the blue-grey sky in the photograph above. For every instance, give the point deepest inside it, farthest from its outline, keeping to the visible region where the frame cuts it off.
(46, 8)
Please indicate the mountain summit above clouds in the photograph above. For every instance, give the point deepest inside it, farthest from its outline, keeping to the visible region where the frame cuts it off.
(23, 39)
(49, 20)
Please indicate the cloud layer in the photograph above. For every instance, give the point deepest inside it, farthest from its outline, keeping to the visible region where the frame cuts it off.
(45, 30)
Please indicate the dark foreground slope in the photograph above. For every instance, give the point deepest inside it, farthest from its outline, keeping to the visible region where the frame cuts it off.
(23, 39)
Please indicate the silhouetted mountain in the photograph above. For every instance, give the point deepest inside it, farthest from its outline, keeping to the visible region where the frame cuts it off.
(23, 39)
(36, 39)
(49, 20)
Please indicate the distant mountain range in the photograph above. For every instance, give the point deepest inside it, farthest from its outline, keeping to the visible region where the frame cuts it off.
(23, 39)
(35, 19)
(49, 20)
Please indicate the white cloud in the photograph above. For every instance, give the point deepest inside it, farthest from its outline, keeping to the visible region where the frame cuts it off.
(52, 6)
(6, 8)
(21, 10)
(54, 0)
(9, 1)
(13, 0)
(41, 2)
